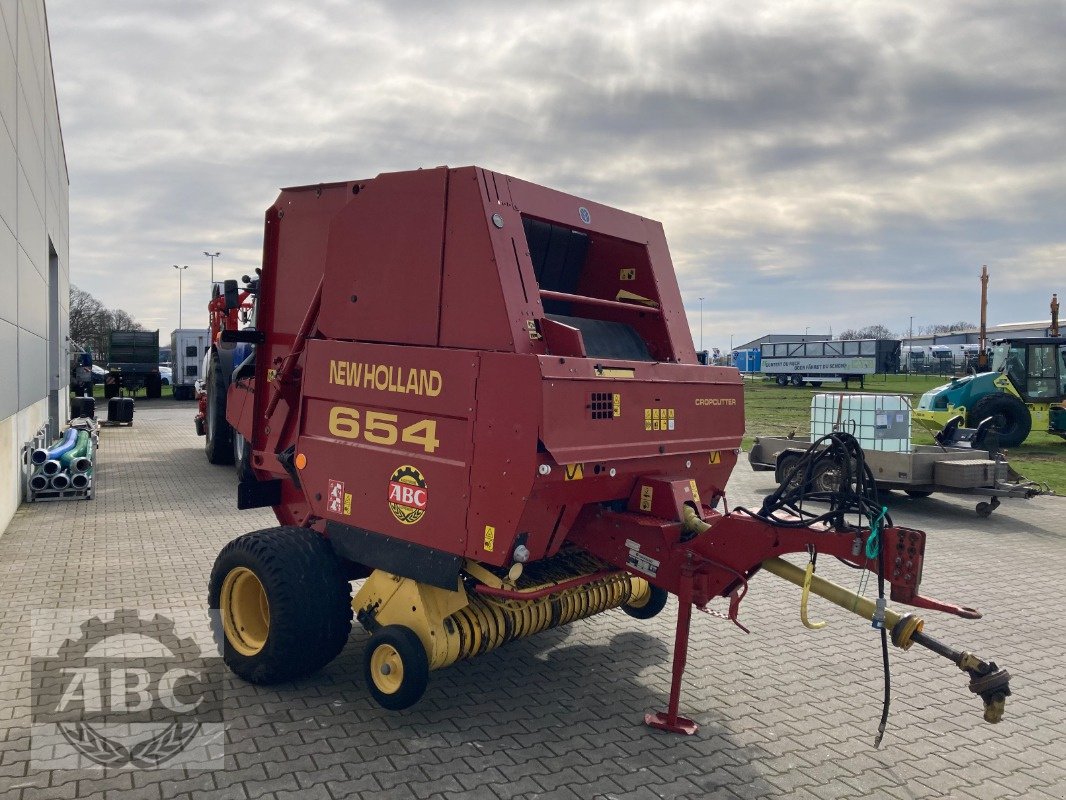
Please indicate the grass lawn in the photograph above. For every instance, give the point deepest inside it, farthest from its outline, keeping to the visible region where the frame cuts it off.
(773, 410)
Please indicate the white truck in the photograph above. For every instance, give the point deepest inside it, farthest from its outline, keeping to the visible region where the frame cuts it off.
(187, 348)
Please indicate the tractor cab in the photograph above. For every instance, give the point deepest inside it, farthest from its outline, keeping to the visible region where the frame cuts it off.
(1036, 368)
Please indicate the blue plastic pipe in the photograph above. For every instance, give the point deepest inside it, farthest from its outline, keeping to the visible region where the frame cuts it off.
(70, 438)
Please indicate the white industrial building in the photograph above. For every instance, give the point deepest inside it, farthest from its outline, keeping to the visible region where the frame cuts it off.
(34, 266)
(1022, 330)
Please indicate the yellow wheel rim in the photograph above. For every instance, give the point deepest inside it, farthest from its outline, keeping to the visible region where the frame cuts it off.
(245, 611)
(386, 668)
(641, 593)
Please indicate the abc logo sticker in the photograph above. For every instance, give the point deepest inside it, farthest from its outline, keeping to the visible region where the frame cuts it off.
(408, 495)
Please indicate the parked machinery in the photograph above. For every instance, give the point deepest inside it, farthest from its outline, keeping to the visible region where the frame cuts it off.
(188, 346)
(482, 396)
(1026, 386)
(229, 309)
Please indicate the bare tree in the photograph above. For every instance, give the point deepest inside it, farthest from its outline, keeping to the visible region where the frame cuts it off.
(91, 322)
(869, 332)
(940, 329)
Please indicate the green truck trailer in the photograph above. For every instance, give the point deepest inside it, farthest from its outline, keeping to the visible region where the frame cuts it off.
(133, 363)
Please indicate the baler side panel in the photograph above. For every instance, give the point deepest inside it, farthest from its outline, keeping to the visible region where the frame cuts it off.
(385, 251)
(482, 287)
(505, 456)
(294, 251)
(378, 419)
(662, 409)
(673, 309)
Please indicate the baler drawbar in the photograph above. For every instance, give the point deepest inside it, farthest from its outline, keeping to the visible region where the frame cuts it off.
(479, 398)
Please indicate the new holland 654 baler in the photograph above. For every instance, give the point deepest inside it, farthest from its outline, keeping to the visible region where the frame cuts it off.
(482, 397)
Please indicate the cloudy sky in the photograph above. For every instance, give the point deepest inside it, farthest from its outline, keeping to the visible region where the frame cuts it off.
(815, 164)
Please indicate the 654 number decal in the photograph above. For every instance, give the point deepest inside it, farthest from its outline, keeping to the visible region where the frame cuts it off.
(380, 427)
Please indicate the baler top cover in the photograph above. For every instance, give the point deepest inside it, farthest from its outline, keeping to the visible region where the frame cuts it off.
(487, 357)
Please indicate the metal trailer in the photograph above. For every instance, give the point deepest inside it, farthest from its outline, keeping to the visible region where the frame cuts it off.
(188, 346)
(133, 363)
(800, 363)
(924, 470)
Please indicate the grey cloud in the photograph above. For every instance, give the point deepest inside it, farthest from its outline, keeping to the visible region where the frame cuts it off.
(786, 148)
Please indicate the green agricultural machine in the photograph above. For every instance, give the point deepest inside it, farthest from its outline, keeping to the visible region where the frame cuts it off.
(1026, 388)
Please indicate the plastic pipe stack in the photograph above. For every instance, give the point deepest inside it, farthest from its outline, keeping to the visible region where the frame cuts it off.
(66, 468)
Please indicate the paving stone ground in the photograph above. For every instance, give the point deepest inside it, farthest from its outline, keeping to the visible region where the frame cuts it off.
(784, 712)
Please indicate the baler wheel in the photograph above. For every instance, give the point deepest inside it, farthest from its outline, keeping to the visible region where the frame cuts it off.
(649, 606)
(283, 604)
(395, 667)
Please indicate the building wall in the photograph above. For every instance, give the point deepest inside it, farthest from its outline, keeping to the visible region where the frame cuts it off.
(34, 266)
(1020, 330)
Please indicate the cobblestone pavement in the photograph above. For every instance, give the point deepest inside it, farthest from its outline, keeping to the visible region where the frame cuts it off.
(784, 712)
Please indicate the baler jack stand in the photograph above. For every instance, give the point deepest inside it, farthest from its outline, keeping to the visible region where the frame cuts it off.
(671, 721)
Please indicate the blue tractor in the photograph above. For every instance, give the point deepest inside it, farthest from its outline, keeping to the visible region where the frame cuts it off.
(1026, 387)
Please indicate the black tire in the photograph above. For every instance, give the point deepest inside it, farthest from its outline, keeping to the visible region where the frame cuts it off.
(308, 605)
(827, 476)
(917, 493)
(797, 380)
(218, 434)
(816, 384)
(651, 607)
(111, 388)
(242, 458)
(1011, 417)
(984, 509)
(391, 649)
(782, 380)
(785, 463)
(153, 386)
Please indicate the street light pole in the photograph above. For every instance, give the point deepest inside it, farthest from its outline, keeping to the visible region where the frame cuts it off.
(180, 270)
(910, 346)
(701, 323)
(212, 256)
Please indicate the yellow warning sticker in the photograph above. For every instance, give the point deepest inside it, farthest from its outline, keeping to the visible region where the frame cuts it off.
(574, 472)
(645, 498)
(659, 419)
(715, 458)
(629, 274)
(490, 538)
(347, 504)
(695, 491)
(616, 400)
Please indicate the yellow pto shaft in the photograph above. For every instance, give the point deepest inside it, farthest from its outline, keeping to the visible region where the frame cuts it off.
(986, 679)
